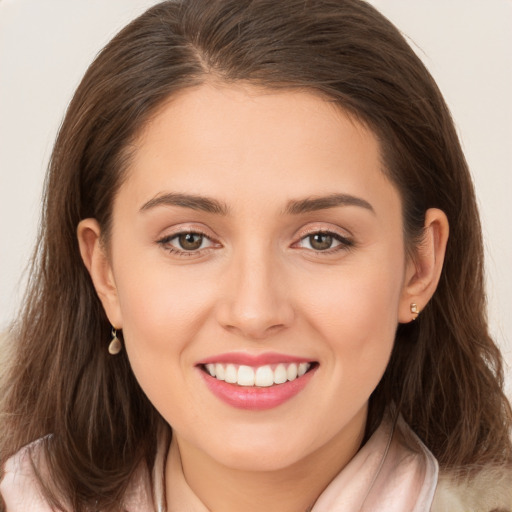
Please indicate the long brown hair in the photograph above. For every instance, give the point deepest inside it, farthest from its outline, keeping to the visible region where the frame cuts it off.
(445, 371)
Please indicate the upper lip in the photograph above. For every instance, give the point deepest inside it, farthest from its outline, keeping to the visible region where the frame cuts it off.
(241, 358)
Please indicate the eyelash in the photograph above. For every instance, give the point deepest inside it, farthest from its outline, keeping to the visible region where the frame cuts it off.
(345, 243)
(165, 241)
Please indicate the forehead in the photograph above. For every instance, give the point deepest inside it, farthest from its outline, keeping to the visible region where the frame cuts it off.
(240, 142)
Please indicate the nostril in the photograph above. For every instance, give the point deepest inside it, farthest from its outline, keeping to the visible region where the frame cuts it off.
(256, 330)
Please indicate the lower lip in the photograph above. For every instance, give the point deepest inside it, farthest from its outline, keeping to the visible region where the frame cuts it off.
(255, 398)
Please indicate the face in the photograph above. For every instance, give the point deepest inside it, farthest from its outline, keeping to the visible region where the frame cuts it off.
(256, 238)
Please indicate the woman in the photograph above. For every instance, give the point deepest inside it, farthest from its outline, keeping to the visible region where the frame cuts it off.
(259, 280)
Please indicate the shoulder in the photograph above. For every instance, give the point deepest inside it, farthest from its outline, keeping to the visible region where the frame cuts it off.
(19, 487)
(21, 490)
(489, 490)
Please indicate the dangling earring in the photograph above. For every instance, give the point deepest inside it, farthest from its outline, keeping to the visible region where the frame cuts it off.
(414, 310)
(115, 345)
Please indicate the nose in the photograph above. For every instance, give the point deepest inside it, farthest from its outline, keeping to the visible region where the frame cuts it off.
(256, 302)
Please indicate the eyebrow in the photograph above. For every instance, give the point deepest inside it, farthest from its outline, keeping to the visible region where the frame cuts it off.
(293, 207)
(312, 204)
(194, 202)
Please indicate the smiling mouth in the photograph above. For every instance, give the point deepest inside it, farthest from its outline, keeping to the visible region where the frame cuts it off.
(259, 376)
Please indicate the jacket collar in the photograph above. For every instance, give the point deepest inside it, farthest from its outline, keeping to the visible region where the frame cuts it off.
(394, 470)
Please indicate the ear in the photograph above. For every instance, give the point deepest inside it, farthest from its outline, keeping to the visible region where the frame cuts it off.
(424, 267)
(98, 264)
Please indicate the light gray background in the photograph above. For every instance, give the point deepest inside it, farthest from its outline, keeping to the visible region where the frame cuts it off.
(46, 45)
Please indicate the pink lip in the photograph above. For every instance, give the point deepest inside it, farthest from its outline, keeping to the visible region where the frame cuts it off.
(254, 398)
(252, 359)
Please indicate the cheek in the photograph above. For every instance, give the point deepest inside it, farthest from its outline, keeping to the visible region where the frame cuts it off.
(159, 304)
(162, 311)
(356, 312)
(365, 297)
(161, 319)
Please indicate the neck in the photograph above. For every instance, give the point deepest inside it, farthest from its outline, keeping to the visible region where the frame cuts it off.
(294, 488)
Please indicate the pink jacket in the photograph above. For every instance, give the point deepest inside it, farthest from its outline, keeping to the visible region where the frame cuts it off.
(393, 471)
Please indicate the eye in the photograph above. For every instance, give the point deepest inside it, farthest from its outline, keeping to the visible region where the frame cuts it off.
(322, 241)
(190, 241)
(186, 242)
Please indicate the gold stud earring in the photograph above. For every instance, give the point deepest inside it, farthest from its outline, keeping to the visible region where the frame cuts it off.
(415, 310)
(115, 345)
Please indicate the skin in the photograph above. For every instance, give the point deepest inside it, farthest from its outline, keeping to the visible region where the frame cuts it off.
(257, 284)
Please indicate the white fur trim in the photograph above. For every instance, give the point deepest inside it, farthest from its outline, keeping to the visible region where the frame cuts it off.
(489, 491)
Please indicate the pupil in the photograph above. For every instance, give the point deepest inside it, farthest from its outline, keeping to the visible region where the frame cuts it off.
(191, 241)
(320, 241)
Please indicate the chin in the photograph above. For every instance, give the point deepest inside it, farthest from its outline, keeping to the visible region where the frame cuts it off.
(259, 461)
(253, 452)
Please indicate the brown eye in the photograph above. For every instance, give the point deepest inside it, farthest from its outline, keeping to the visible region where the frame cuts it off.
(321, 241)
(190, 241)
(187, 243)
(324, 241)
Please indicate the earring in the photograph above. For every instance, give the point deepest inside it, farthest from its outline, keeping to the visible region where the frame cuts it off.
(115, 345)
(415, 310)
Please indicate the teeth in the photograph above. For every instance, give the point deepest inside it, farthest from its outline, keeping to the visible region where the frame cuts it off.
(219, 371)
(280, 374)
(245, 376)
(231, 374)
(291, 373)
(262, 376)
(303, 368)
